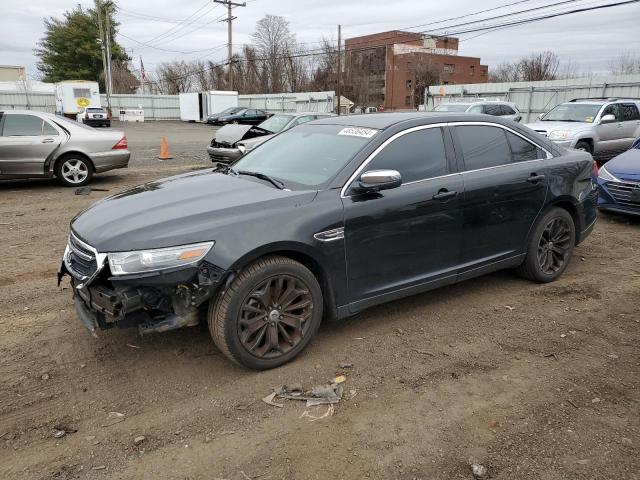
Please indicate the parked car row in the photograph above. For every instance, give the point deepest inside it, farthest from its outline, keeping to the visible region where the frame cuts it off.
(243, 116)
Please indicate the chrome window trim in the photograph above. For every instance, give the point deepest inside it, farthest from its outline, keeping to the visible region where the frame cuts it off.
(368, 160)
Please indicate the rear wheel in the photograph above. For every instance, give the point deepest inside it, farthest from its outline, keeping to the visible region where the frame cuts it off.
(268, 314)
(74, 171)
(550, 247)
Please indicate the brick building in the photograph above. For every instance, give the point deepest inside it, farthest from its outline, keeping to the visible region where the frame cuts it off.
(393, 68)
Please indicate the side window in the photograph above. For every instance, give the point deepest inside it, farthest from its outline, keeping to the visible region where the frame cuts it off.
(475, 109)
(483, 147)
(22, 125)
(630, 112)
(492, 110)
(47, 129)
(613, 109)
(522, 150)
(417, 156)
(506, 110)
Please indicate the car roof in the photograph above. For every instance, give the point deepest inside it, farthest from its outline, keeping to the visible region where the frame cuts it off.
(384, 120)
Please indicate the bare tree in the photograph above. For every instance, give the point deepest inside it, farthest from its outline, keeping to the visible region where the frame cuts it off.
(175, 77)
(537, 66)
(324, 66)
(122, 79)
(425, 74)
(273, 39)
(625, 63)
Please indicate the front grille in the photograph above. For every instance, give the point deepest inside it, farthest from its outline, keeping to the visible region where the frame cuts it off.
(625, 193)
(80, 260)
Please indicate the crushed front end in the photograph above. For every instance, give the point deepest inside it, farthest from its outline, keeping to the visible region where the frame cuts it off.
(154, 300)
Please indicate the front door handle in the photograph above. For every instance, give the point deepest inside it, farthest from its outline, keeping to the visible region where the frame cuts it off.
(535, 178)
(48, 140)
(444, 194)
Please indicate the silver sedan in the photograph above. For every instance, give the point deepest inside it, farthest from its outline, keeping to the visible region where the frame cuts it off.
(38, 144)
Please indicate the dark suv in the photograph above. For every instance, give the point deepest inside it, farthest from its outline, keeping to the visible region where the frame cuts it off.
(325, 220)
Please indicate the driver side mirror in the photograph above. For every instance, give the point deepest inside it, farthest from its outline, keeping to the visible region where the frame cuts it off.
(376, 180)
(608, 118)
(540, 116)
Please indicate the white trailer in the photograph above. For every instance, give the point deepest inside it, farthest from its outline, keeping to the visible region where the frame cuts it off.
(75, 95)
(196, 107)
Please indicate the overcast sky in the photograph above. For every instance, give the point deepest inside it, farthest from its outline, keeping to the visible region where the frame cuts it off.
(587, 39)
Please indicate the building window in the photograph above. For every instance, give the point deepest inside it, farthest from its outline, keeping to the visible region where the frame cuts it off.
(409, 66)
(407, 100)
(409, 84)
(472, 70)
(449, 68)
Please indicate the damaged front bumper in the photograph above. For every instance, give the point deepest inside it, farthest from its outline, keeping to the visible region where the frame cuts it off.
(152, 302)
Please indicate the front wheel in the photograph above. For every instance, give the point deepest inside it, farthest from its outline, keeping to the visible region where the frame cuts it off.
(550, 247)
(268, 314)
(583, 146)
(74, 171)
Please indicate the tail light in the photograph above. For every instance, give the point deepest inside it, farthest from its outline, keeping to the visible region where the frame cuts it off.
(109, 117)
(596, 170)
(86, 115)
(122, 144)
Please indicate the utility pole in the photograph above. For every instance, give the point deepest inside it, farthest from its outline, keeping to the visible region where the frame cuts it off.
(230, 18)
(339, 65)
(108, 38)
(102, 48)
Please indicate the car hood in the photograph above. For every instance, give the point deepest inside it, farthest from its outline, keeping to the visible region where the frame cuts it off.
(230, 134)
(179, 210)
(626, 165)
(254, 142)
(551, 126)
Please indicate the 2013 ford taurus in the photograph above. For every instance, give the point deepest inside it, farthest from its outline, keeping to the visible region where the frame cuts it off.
(325, 220)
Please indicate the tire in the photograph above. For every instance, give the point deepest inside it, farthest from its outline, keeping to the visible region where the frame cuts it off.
(550, 247)
(584, 146)
(245, 326)
(74, 178)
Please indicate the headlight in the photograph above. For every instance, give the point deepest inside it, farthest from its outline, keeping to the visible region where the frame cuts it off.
(125, 263)
(603, 174)
(560, 134)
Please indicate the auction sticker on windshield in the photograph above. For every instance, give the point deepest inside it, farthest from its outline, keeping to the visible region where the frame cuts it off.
(358, 132)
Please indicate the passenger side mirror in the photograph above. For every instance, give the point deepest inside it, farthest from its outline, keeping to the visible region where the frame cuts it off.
(608, 118)
(376, 180)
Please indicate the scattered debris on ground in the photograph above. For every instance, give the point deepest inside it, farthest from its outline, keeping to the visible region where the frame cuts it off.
(479, 471)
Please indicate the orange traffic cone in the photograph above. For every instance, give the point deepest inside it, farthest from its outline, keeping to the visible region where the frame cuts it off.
(164, 150)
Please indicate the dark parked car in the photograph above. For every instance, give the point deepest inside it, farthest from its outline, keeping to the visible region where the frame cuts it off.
(325, 220)
(619, 182)
(244, 116)
(233, 141)
(213, 119)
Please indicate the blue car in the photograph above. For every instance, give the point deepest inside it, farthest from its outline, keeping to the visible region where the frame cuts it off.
(619, 182)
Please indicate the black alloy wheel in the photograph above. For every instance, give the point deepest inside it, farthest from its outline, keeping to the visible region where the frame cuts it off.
(550, 246)
(553, 246)
(268, 313)
(274, 317)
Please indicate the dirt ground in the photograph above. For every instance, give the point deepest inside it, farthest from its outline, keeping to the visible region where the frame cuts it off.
(532, 381)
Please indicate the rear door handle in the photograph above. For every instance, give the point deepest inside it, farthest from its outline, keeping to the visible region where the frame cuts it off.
(48, 140)
(444, 194)
(535, 178)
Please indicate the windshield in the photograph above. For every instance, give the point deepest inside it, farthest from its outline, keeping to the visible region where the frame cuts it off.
(451, 108)
(276, 123)
(572, 112)
(307, 156)
(231, 111)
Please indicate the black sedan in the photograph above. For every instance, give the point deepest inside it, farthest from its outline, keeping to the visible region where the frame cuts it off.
(325, 220)
(244, 116)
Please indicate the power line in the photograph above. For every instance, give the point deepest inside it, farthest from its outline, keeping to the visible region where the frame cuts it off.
(512, 23)
(180, 25)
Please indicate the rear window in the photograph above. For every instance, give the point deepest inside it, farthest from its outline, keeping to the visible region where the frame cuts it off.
(99, 110)
(451, 108)
(523, 150)
(483, 147)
